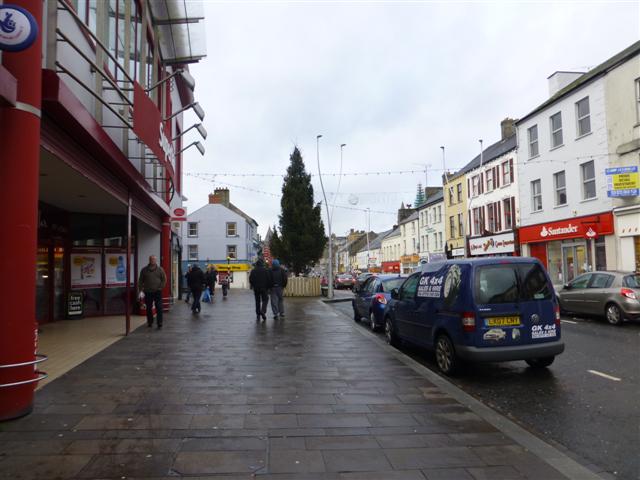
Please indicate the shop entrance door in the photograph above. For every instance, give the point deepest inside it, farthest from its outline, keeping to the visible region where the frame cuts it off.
(43, 285)
(575, 261)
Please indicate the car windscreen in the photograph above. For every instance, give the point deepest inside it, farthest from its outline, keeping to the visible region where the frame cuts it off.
(631, 281)
(391, 283)
(511, 283)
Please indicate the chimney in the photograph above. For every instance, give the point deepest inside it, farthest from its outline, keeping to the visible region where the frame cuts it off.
(220, 195)
(508, 127)
(559, 80)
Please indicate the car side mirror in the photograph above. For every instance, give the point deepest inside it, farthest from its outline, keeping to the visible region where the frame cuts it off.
(395, 294)
(566, 286)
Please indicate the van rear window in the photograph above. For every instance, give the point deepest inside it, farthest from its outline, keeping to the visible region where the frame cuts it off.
(511, 283)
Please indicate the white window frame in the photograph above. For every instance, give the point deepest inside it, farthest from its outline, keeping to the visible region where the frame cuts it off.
(585, 181)
(461, 224)
(557, 130)
(533, 141)
(508, 219)
(536, 196)
(189, 225)
(452, 226)
(489, 176)
(235, 229)
(506, 173)
(560, 189)
(580, 118)
(459, 192)
(190, 252)
(475, 186)
(235, 252)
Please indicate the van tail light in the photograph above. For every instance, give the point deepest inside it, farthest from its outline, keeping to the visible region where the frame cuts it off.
(627, 292)
(556, 310)
(469, 322)
(380, 298)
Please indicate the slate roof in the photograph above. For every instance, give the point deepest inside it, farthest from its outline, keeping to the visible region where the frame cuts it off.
(413, 216)
(489, 154)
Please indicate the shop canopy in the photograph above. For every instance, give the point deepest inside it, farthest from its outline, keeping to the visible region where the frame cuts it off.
(180, 28)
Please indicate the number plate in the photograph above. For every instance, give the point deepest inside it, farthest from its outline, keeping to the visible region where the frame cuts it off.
(502, 321)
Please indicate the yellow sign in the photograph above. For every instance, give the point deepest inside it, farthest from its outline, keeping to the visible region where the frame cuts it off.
(626, 181)
(502, 321)
(231, 267)
(409, 259)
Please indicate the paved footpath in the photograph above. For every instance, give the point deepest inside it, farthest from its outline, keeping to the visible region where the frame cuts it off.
(220, 395)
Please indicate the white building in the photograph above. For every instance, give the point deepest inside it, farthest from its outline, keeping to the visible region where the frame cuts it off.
(409, 236)
(390, 248)
(431, 231)
(563, 151)
(221, 234)
(622, 96)
(492, 186)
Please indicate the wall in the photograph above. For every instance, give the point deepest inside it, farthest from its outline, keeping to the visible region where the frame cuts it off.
(568, 158)
(453, 209)
(148, 244)
(391, 250)
(429, 223)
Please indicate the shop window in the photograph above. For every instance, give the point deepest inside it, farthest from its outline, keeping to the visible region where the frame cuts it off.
(532, 133)
(86, 230)
(555, 122)
(601, 254)
(232, 252)
(588, 173)
(536, 196)
(193, 252)
(232, 229)
(583, 115)
(192, 229)
(560, 183)
(554, 260)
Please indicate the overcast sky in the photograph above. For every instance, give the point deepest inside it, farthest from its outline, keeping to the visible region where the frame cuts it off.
(392, 80)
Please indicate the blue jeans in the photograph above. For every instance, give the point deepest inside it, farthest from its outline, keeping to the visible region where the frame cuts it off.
(149, 299)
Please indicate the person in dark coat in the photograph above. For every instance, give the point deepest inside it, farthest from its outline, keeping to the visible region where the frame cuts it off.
(259, 280)
(196, 284)
(186, 279)
(151, 282)
(279, 278)
(211, 277)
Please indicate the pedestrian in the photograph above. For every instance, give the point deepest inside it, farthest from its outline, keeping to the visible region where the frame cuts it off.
(196, 284)
(260, 282)
(211, 277)
(186, 278)
(278, 284)
(151, 282)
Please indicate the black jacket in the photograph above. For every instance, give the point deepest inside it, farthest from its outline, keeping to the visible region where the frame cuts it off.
(279, 277)
(259, 279)
(211, 278)
(196, 279)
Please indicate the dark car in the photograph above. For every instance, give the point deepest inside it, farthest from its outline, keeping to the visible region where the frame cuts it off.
(613, 295)
(360, 279)
(344, 280)
(482, 310)
(371, 298)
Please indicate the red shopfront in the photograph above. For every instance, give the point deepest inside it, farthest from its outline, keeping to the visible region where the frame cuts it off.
(569, 247)
(391, 267)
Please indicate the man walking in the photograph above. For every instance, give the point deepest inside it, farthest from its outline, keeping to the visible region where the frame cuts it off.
(196, 284)
(151, 282)
(278, 283)
(259, 280)
(211, 277)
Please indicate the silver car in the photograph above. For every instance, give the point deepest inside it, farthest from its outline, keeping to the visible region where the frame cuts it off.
(614, 295)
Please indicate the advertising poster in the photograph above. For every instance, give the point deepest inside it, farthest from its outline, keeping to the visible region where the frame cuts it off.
(86, 270)
(115, 269)
(623, 182)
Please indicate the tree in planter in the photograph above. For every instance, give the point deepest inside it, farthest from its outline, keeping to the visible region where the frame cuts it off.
(302, 239)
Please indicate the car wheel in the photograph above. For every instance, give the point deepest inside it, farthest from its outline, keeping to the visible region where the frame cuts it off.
(542, 362)
(446, 358)
(613, 314)
(356, 315)
(390, 333)
(372, 322)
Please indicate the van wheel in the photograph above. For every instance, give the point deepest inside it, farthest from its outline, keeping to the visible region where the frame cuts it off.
(390, 333)
(356, 315)
(613, 314)
(542, 362)
(446, 357)
(372, 322)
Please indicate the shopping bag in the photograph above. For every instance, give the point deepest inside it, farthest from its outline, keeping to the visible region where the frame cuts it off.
(206, 296)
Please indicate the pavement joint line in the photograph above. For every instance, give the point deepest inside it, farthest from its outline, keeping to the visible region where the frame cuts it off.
(546, 452)
(569, 321)
(604, 375)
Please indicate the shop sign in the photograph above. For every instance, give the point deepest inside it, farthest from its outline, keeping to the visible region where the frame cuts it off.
(75, 305)
(179, 214)
(392, 267)
(493, 244)
(590, 226)
(231, 267)
(409, 259)
(623, 182)
(457, 252)
(86, 270)
(148, 126)
(18, 28)
(115, 269)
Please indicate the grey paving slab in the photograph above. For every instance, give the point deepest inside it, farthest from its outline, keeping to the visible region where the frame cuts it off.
(221, 396)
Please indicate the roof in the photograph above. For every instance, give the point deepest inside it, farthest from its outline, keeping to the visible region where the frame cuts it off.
(587, 78)
(231, 207)
(394, 233)
(377, 242)
(413, 216)
(489, 154)
(433, 198)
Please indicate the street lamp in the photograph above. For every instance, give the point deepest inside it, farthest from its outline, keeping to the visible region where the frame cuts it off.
(368, 246)
(333, 207)
(330, 272)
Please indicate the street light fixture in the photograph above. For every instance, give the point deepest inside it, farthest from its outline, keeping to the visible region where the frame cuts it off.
(198, 146)
(198, 126)
(330, 263)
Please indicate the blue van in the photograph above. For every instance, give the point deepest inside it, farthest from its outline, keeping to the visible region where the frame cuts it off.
(485, 310)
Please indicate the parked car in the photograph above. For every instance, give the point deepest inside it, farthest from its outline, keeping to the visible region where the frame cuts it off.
(372, 297)
(360, 279)
(480, 310)
(344, 280)
(612, 295)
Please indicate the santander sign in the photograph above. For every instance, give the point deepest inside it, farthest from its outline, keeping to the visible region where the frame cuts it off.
(166, 146)
(551, 232)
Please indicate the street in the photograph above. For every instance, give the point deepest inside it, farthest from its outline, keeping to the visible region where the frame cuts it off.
(587, 401)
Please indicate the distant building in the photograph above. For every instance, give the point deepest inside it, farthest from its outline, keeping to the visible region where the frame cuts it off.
(431, 230)
(221, 234)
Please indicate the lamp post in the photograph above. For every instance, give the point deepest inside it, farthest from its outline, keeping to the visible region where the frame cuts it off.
(330, 263)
